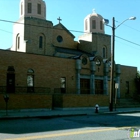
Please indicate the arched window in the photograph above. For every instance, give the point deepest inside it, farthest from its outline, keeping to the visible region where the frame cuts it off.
(30, 80)
(39, 8)
(10, 79)
(101, 25)
(18, 42)
(86, 25)
(41, 41)
(104, 52)
(93, 24)
(29, 7)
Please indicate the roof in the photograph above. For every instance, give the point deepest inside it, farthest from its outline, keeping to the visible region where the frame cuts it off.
(63, 27)
(71, 51)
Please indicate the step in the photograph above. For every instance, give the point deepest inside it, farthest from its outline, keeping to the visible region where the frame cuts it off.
(127, 103)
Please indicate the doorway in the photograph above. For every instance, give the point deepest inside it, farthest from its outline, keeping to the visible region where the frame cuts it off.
(10, 86)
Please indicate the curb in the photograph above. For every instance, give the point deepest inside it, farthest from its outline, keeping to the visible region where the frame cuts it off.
(57, 115)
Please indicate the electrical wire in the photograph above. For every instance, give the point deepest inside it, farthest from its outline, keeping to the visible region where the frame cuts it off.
(60, 29)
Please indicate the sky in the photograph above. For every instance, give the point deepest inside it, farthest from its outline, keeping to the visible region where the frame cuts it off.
(73, 12)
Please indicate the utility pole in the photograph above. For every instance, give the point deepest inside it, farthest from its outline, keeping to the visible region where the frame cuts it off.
(112, 66)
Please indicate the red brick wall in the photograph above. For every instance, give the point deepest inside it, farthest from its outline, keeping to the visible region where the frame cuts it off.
(47, 70)
(27, 101)
(81, 100)
(127, 74)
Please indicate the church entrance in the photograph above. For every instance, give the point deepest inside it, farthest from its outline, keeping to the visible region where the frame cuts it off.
(98, 86)
(85, 86)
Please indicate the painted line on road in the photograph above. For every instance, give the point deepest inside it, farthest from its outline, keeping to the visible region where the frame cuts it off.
(68, 133)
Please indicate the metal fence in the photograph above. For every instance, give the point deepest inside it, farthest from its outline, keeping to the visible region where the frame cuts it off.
(3, 89)
(46, 90)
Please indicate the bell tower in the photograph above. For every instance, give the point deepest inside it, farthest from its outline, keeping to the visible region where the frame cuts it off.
(94, 40)
(32, 8)
(93, 23)
(26, 36)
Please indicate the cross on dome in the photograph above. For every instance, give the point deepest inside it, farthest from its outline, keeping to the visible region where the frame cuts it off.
(93, 11)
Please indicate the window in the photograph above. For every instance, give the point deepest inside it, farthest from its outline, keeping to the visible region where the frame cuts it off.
(21, 8)
(101, 25)
(127, 87)
(29, 7)
(41, 39)
(41, 42)
(63, 84)
(59, 38)
(39, 8)
(104, 52)
(18, 42)
(93, 24)
(10, 80)
(84, 60)
(30, 80)
(86, 25)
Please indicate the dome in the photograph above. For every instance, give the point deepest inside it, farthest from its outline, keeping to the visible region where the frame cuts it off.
(33, 8)
(93, 23)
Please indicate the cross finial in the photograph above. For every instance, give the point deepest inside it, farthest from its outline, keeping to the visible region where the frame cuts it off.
(93, 10)
(59, 19)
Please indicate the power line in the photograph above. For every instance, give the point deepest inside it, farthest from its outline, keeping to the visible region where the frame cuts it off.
(61, 29)
(129, 27)
(128, 41)
(39, 26)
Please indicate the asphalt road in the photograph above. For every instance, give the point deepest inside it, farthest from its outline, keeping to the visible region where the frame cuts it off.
(91, 127)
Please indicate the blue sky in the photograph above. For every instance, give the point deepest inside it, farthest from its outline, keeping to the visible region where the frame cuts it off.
(73, 13)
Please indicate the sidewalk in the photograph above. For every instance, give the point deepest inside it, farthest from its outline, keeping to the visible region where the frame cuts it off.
(44, 113)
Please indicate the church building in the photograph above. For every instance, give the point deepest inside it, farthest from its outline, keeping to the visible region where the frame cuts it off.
(45, 60)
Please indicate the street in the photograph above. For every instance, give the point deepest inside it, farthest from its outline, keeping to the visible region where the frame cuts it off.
(88, 127)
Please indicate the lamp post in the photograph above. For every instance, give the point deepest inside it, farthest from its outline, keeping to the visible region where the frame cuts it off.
(112, 58)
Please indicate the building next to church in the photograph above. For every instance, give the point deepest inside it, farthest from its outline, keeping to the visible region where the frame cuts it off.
(46, 68)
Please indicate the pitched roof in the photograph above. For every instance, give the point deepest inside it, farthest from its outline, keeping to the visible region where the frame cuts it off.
(63, 27)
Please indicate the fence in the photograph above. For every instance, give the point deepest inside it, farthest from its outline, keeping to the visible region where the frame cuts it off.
(47, 90)
(3, 89)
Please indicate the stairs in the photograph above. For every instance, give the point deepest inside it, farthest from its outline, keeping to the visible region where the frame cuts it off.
(127, 103)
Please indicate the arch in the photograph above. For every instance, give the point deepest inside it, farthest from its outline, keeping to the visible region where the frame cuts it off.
(17, 41)
(39, 8)
(10, 86)
(86, 24)
(98, 60)
(30, 80)
(84, 59)
(93, 24)
(29, 7)
(41, 41)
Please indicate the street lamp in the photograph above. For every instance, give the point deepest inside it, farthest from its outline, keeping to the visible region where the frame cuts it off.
(112, 57)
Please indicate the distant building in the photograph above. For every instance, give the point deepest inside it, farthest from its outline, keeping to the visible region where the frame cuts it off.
(45, 58)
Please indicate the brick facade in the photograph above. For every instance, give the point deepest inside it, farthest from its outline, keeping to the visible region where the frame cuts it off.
(78, 69)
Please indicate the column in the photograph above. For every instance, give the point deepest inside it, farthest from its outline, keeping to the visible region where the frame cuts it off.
(105, 85)
(78, 69)
(92, 77)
